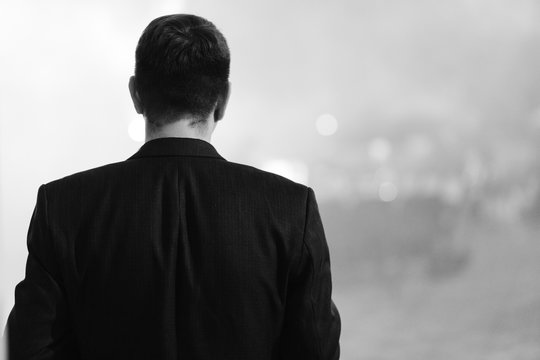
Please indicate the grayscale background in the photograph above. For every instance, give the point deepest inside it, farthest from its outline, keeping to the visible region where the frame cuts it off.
(417, 123)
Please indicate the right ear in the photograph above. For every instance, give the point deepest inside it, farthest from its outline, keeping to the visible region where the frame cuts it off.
(223, 101)
(135, 95)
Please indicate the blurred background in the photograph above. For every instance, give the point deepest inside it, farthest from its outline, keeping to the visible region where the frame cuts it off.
(416, 122)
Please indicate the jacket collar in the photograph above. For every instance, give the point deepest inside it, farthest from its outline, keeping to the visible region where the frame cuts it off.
(172, 146)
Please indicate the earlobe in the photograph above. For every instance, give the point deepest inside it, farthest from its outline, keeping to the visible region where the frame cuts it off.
(135, 95)
(223, 101)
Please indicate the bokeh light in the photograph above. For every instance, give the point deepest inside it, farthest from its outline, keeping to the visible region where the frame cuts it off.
(388, 191)
(379, 149)
(326, 125)
(136, 130)
(292, 170)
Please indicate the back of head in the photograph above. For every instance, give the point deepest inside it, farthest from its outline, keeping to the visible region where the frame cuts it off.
(181, 68)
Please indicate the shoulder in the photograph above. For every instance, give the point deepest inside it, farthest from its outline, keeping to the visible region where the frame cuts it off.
(86, 177)
(233, 177)
(267, 179)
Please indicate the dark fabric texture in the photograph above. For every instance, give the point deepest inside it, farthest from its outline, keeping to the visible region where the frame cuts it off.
(175, 253)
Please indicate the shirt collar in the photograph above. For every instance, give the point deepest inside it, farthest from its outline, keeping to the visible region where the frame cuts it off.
(173, 146)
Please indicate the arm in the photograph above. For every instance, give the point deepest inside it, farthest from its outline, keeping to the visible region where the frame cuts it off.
(38, 326)
(312, 323)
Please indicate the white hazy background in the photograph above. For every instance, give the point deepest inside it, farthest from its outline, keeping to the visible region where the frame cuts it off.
(417, 123)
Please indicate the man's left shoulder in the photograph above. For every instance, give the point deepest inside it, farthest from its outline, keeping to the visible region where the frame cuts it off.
(87, 177)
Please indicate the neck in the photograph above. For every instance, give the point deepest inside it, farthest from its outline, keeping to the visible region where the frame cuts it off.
(181, 128)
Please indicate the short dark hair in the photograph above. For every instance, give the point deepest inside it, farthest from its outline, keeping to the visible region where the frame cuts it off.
(181, 67)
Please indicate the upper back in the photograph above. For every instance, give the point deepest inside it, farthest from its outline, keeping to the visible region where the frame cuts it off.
(176, 247)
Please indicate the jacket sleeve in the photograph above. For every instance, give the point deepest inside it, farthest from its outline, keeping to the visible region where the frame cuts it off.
(312, 324)
(38, 325)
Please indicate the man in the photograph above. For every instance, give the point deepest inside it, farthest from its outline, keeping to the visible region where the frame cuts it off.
(176, 253)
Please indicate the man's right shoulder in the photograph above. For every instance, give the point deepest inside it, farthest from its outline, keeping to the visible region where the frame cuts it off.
(262, 175)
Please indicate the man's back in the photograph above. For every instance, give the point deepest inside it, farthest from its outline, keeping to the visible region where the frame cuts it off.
(176, 253)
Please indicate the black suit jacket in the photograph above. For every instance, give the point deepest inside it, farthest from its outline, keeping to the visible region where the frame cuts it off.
(175, 253)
